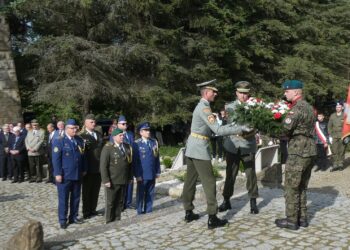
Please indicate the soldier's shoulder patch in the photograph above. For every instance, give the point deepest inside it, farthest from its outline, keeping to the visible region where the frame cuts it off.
(288, 120)
(55, 149)
(207, 110)
(211, 119)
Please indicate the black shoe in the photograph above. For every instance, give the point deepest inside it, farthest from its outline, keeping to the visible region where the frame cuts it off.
(20, 181)
(190, 216)
(225, 205)
(31, 181)
(285, 223)
(214, 222)
(76, 221)
(38, 181)
(4, 179)
(303, 223)
(63, 226)
(14, 181)
(253, 207)
(335, 168)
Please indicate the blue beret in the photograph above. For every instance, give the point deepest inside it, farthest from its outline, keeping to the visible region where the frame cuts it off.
(71, 122)
(121, 118)
(293, 84)
(144, 125)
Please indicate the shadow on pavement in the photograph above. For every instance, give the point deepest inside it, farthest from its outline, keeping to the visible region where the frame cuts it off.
(329, 195)
(12, 197)
(66, 244)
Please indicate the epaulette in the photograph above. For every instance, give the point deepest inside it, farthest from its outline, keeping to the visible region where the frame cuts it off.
(109, 143)
(138, 140)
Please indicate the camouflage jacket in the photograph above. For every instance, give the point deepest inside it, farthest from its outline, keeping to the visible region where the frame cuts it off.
(299, 126)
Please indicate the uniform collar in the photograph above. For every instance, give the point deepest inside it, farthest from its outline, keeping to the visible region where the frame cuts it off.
(294, 102)
(204, 101)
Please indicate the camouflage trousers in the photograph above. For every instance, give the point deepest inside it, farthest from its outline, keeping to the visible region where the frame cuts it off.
(338, 152)
(297, 176)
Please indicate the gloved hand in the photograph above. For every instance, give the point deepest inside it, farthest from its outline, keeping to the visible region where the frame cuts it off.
(247, 129)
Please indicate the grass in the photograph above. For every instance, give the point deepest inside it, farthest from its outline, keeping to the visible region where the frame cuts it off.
(170, 151)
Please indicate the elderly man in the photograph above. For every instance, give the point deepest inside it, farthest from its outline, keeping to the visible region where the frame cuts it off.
(17, 150)
(34, 144)
(69, 167)
(6, 166)
(116, 172)
(198, 155)
(335, 126)
(240, 148)
(92, 180)
(299, 126)
(51, 131)
(59, 132)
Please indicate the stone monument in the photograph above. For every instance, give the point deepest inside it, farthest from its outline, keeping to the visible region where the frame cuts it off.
(10, 102)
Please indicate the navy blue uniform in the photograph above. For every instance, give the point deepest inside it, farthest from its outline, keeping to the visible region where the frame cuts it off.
(17, 143)
(146, 166)
(69, 162)
(129, 139)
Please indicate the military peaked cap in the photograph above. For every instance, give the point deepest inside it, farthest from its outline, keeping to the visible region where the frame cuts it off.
(243, 86)
(90, 117)
(145, 125)
(208, 85)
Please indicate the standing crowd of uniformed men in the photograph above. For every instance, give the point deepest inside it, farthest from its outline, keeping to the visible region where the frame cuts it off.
(79, 163)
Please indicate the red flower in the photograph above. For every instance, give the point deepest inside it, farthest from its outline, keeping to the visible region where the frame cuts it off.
(277, 116)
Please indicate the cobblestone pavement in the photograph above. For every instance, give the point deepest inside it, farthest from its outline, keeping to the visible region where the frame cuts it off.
(165, 228)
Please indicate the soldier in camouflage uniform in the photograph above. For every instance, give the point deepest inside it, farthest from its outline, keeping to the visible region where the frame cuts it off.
(198, 157)
(299, 126)
(335, 127)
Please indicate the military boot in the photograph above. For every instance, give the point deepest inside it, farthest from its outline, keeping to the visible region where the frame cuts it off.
(303, 222)
(214, 222)
(285, 223)
(190, 216)
(253, 207)
(226, 205)
(335, 168)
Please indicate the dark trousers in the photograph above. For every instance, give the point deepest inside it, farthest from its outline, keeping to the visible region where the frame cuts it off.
(114, 202)
(91, 190)
(233, 161)
(18, 170)
(35, 168)
(217, 146)
(204, 170)
(284, 150)
(6, 165)
(50, 170)
(128, 195)
(68, 190)
(145, 196)
(321, 160)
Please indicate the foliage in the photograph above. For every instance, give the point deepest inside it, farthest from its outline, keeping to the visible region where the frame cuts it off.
(168, 162)
(143, 58)
(169, 151)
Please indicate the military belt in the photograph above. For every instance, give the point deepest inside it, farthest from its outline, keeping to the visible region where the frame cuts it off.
(202, 137)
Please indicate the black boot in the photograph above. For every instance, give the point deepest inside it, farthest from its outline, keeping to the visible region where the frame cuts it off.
(190, 216)
(226, 205)
(285, 223)
(253, 208)
(214, 222)
(303, 222)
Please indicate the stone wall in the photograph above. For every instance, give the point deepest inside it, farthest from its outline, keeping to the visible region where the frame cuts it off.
(10, 102)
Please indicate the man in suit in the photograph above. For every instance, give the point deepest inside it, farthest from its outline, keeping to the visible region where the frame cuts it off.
(6, 168)
(240, 148)
(51, 131)
(69, 167)
(129, 139)
(198, 156)
(147, 168)
(17, 150)
(116, 172)
(34, 144)
(59, 132)
(92, 180)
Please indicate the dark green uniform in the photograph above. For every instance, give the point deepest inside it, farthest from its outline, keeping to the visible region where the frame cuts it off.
(92, 179)
(115, 166)
(199, 158)
(240, 148)
(335, 126)
(299, 124)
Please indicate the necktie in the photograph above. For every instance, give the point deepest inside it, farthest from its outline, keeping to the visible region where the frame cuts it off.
(7, 136)
(121, 149)
(14, 145)
(94, 135)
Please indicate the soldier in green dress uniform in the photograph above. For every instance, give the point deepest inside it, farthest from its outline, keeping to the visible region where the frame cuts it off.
(198, 157)
(299, 126)
(116, 172)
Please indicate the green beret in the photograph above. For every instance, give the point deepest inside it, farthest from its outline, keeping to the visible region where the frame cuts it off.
(293, 84)
(243, 86)
(117, 131)
(90, 117)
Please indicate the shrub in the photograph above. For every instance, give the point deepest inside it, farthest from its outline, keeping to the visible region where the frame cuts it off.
(167, 162)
